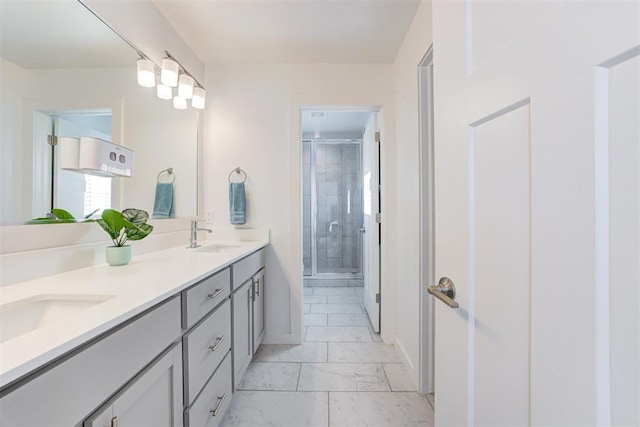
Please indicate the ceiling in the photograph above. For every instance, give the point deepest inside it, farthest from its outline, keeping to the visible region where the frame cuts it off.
(333, 124)
(294, 31)
(38, 34)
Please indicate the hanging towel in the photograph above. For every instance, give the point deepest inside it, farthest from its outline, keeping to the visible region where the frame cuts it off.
(237, 203)
(163, 204)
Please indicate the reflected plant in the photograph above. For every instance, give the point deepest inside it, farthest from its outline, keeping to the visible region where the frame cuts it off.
(60, 216)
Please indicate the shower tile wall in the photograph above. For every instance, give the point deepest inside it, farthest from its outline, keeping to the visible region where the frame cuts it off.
(339, 201)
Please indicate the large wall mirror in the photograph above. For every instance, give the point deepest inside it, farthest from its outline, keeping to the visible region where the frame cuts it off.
(64, 73)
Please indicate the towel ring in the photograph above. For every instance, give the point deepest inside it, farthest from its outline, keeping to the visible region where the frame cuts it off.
(169, 171)
(239, 171)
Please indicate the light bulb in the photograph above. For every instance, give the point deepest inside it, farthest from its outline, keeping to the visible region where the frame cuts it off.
(185, 86)
(179, 103)
(146, 73)
(163, 91)
(169, 73)
(199, 96)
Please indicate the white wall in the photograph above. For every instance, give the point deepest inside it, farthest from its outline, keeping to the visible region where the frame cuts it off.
(408, 286)
(251, 120)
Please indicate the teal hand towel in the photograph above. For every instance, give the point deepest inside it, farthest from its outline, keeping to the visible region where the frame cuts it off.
(237, 203)
(163, 204)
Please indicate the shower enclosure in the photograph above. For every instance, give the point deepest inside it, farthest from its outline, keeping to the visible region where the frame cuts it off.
(332, 209)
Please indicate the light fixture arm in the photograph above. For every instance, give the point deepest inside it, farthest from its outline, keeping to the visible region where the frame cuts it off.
(184, 69)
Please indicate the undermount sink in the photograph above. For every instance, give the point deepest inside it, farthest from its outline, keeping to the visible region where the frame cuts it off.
(25, 315)
(218, 247)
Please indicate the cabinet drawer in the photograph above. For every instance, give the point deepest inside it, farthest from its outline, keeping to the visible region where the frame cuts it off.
(216, 396)
(247, 267)
(205, 347)
(204, 296)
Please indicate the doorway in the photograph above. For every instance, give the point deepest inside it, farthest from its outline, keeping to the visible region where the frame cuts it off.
(340, 195)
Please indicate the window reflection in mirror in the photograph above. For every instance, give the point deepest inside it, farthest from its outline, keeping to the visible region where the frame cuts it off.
(81, 194)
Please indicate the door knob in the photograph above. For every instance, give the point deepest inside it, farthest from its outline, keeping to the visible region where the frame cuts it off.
(445, 291)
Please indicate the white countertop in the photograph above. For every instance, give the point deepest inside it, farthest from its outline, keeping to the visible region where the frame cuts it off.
(144, 282)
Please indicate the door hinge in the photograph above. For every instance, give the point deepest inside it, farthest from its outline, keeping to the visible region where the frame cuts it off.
(378, 298)
(379, 218)
(52, 140)
(377, 136)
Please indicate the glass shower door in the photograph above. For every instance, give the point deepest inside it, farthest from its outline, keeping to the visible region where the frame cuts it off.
(338, 207)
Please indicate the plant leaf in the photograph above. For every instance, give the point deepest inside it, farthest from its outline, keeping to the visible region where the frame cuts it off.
(91, 214)
(136, 216)
(112, 222)
(139, 232)
(62, 214)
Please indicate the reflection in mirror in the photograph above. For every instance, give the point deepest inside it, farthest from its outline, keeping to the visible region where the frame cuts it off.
(64, 73)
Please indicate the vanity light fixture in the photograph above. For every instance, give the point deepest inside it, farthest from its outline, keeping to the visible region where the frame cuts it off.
(172, 74)
(169, 72)
(163, 91)
(179, 103)
(185, 86)
(146, 73)
(199, 95)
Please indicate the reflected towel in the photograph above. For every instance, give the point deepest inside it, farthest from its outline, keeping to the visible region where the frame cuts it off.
(163, 204)
(237, 203)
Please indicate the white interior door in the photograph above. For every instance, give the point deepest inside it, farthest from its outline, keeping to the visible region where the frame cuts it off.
(371, 229)
(537, 193)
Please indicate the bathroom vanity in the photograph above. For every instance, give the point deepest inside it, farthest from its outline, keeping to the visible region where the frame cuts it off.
(165, 342)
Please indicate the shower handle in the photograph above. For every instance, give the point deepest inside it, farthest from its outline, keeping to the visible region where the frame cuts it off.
(332, 224)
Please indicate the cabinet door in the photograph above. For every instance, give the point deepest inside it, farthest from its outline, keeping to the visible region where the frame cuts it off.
(241, 302)
(258, 309)
(153, 398)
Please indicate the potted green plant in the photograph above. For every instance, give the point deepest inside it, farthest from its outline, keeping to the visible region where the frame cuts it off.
(130, 224)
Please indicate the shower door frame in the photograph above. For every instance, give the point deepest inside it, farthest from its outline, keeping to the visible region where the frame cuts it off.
(314, 209)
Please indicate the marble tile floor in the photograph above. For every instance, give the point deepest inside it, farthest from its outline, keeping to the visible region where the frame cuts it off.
(342, 375)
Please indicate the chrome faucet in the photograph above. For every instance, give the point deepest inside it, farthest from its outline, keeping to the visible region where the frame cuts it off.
(193, 240)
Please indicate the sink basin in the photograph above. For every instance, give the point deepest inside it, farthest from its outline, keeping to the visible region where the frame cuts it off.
(217, 248)
(25, 315)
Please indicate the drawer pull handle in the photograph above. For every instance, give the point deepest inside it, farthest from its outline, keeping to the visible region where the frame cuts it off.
(217, 344)
(214, 411)
(258, 286)
(216, 293)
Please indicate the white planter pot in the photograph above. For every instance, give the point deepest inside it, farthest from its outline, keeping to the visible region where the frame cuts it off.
(118, 255)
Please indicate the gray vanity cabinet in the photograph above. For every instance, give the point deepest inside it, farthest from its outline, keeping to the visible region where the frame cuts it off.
(63, 394)
(153, 398)
(247, 307)
(241, 301)
(177, 364)
(257, 306)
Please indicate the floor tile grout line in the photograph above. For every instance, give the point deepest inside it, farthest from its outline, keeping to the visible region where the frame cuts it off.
(299, 373)
(387, 377)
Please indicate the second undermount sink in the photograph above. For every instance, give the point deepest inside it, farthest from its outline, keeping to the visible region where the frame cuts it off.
(25, 315)
(217, 247)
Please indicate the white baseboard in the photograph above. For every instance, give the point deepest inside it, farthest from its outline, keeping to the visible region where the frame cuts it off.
(408, 364)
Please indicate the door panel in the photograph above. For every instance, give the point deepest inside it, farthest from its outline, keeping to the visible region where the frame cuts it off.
(563, 254)
(554, 332)
(370, 241)
(501, 285)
